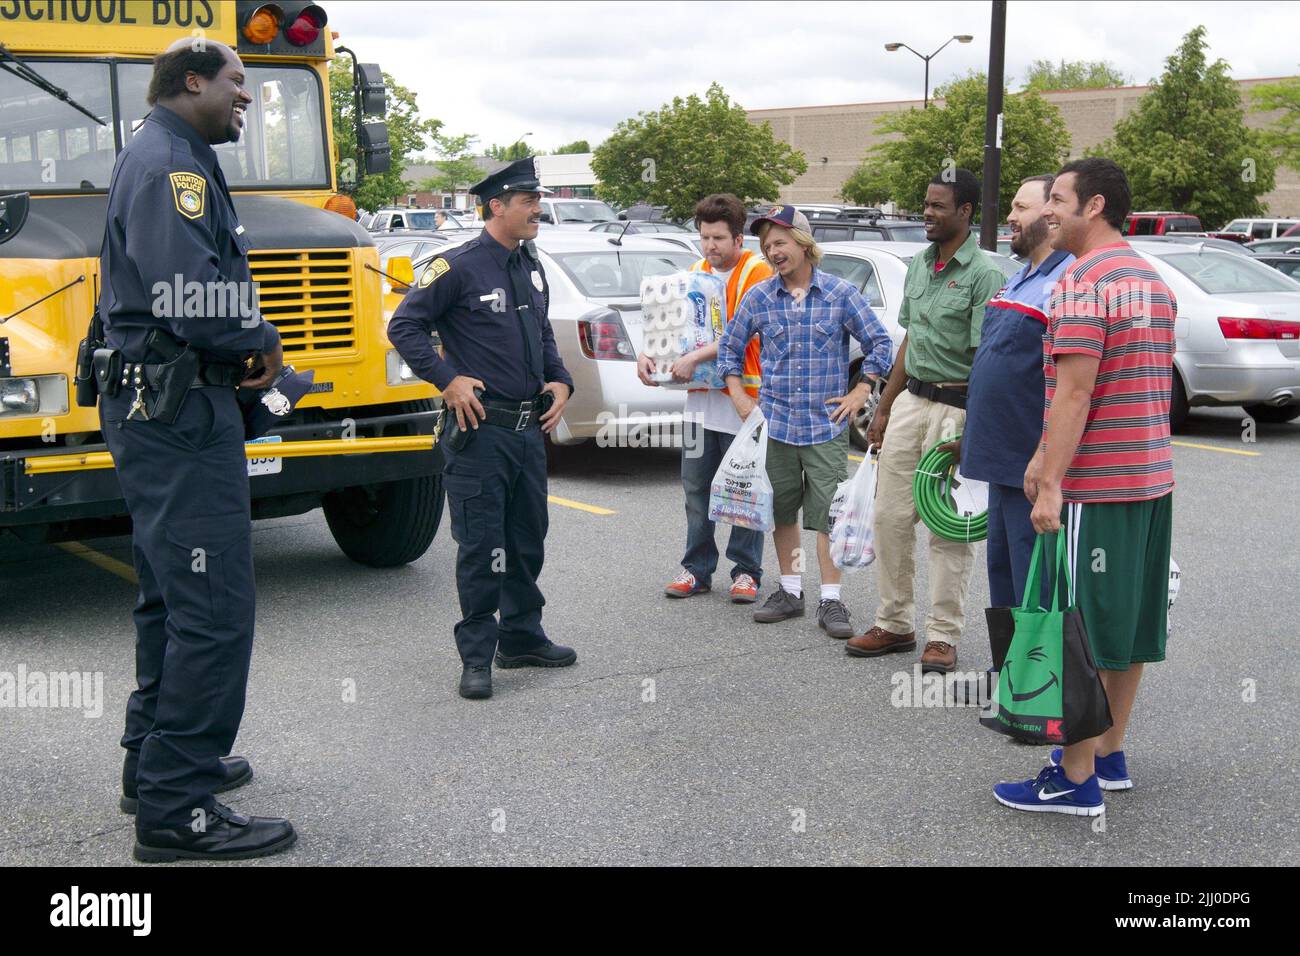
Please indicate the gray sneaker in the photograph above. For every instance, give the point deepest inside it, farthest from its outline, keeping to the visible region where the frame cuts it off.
(833, 618)
(779, 607)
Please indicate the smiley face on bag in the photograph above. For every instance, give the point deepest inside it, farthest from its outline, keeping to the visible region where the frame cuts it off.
(1035, 672)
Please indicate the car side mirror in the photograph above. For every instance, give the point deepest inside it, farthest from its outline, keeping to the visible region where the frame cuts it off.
(13, 214)
(402, 274)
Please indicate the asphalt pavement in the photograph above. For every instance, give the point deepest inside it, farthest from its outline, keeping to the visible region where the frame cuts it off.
(686, 733)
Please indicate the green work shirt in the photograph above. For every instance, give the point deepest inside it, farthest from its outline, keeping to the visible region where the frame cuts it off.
(943, 312)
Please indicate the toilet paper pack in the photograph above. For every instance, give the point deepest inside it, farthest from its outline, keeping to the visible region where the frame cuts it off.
(680, 313)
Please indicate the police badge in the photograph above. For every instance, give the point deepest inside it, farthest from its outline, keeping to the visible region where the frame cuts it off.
(263, 409)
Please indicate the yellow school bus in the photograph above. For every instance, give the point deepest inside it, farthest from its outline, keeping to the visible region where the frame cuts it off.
(73, 76)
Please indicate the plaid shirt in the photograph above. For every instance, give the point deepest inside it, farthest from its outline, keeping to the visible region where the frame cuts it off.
(805, 355)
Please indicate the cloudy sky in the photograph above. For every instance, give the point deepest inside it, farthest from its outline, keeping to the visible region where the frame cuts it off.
(571, 70)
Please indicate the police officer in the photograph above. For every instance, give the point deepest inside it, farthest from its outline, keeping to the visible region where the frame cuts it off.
(170, 417)
(503, 381)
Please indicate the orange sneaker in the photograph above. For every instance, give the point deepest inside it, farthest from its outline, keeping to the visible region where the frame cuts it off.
(744, 590)
(684, 585)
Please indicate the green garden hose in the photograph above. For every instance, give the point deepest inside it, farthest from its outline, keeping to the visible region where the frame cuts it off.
(933, 497)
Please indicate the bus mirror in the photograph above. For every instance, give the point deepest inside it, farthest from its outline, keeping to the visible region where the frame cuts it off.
(13, 214)
(373, 138)
(370, 84)
(402, 273)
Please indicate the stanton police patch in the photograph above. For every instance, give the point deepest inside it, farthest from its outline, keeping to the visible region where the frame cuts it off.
(188, 192)
(436, 268)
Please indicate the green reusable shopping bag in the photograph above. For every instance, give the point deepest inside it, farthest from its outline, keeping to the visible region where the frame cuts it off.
(1049, 690)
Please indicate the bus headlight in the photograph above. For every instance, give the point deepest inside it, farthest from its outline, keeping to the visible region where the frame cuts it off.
(399, 373)
(37, 395)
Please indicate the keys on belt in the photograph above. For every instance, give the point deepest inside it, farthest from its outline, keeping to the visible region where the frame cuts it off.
(937, 393)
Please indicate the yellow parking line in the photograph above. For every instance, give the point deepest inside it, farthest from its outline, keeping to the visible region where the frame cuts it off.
(590, 509)
(102, 561)
(856, 458)
(1226, 451)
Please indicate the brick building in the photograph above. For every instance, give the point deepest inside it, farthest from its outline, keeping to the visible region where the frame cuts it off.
(835, 139)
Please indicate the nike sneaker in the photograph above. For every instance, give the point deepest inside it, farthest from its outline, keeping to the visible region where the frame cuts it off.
(1053, 792)
(1112, 772)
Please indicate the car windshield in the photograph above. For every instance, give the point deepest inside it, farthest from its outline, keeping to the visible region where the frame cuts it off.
(1218, 273)
(611, 275)
(908, 234)
(1237, 225)
(583, 212)
(427, 219)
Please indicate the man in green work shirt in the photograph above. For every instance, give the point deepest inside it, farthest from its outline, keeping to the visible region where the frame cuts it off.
(924, 403)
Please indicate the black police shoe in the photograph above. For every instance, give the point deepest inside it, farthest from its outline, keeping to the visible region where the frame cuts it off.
(227, 835)
(237, 770)
(547, 655)
(476, 683)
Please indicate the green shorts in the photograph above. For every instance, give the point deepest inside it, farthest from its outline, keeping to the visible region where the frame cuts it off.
(1119, 563)
(805, 476)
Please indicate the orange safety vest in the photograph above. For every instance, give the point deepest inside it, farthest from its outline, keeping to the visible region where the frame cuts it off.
(750, 270)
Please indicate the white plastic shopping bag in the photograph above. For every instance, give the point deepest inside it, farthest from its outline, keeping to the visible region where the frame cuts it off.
(852, 515)
(741, 493)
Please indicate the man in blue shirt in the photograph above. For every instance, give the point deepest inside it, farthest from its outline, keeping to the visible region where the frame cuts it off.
(803, 318)
(1004, 405)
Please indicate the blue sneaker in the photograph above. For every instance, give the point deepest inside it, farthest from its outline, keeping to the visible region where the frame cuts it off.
(1112, 771)
(1053, 792)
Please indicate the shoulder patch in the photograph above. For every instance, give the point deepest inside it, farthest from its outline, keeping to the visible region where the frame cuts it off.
(436, 268)
(188, 192)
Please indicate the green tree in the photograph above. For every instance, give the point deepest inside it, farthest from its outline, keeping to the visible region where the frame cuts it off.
(408, 136)
(456, 166)
(1283, 134)
(951, 133)
(577, 146)
(1186, 145)
(690, 148)
(511, 153)
(1073, 75)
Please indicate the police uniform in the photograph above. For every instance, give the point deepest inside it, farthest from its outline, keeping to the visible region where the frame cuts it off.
(488, 305)
(171, 223)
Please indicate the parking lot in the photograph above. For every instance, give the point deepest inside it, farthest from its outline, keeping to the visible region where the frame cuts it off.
(686, 734)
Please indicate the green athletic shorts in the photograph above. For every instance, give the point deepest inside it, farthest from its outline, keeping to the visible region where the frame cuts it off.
(805, 476)
(1119, 563)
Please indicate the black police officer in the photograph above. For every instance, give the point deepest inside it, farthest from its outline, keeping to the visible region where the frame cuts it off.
(487, 300)
(184, 478)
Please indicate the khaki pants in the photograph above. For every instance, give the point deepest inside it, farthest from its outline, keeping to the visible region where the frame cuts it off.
(915, 426)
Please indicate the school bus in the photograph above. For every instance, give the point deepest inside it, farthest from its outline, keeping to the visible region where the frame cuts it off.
(73, 76)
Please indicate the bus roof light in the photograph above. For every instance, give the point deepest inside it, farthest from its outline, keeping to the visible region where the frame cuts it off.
(307, 26)
(263, 24)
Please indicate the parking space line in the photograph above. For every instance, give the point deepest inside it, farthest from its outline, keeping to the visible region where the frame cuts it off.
(1226, 451)
(102, 561)
(856, 458)
(578, 505)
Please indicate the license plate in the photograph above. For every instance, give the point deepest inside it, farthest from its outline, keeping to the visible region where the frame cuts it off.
(265, 466)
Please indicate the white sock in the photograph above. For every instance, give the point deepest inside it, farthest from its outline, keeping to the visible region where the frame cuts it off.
(830, 592)
(792, 584)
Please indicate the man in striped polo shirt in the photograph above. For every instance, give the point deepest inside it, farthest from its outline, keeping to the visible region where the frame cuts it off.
(1104, 465)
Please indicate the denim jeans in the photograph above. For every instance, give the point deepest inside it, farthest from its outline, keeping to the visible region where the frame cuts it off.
(702, 452)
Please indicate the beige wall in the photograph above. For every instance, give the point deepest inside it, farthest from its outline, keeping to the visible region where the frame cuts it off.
(834, 139)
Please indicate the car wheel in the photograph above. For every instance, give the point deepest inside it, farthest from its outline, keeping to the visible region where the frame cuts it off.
(1274, 414)
(1178, 405)
(862, 420)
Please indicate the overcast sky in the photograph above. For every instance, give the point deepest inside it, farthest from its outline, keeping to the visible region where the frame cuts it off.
(572, 70)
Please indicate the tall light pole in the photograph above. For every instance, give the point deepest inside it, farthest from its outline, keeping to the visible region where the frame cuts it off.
(960, 38)
(993, 128)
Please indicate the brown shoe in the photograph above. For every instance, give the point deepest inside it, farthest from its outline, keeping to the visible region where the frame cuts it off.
(938, 658)
(879, 641)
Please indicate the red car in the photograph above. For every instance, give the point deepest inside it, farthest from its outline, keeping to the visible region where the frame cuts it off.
(1160, 223)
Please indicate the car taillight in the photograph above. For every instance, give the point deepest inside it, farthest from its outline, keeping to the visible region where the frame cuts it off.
(306, 28)
(602, 336)
(1236, 328)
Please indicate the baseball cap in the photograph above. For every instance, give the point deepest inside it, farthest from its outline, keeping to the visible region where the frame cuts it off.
(786, 216)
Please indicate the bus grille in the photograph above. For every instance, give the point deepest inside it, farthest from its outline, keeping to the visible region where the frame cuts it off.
(308, 295)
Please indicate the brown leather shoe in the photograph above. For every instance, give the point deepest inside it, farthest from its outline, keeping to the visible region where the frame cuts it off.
(938, 658)
(879, 641)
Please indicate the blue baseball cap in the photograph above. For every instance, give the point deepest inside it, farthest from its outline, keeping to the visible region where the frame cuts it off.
(783, 215)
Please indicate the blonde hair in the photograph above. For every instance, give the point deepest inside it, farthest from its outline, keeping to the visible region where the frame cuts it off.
(801, 238)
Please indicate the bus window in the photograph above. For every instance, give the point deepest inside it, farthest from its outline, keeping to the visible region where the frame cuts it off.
(47, 142)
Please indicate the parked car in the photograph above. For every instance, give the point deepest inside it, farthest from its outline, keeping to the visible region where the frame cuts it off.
(1275, 246)
(595, 310)
(388, 220)
(416, 243)
(1288, 265)
(1237, 333)
(1246, 230)
(1160, 223)
(643, 212)
(575, 213)
(878, 270)
(1199, 239)
(637, 227)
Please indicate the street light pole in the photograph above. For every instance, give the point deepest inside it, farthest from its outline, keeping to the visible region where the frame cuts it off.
(993, 129)
(960, 38)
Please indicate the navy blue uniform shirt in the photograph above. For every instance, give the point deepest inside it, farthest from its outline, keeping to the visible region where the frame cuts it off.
(467, 296)
(170, 214)
(1004, 403)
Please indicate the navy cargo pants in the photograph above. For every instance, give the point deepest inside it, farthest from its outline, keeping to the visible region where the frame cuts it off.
(186, 486)
(496, 493)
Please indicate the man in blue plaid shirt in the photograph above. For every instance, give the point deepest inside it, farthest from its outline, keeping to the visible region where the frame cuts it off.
(803, 318)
